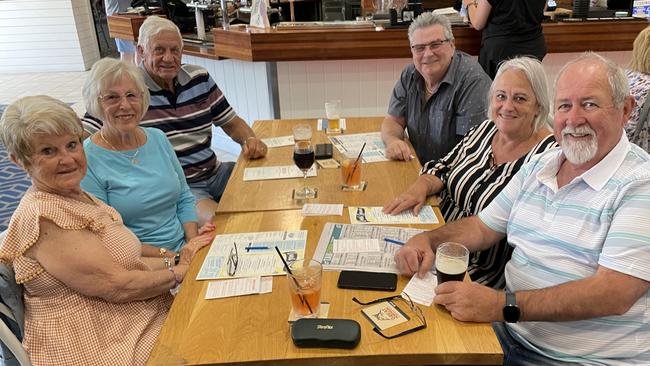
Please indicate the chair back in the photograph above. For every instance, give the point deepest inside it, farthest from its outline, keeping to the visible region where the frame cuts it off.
(12, 352)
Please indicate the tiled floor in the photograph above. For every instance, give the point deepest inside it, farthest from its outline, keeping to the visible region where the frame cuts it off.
(65, 86)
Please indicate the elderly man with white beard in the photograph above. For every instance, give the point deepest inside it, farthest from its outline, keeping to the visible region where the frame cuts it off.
(577, 286)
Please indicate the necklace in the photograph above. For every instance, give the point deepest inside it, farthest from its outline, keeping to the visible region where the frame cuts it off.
(133, 158)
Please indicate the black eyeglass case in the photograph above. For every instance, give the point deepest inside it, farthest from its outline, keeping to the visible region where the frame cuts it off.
(325, 333)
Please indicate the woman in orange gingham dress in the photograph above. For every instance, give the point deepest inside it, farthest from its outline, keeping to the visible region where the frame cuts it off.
(91, 298)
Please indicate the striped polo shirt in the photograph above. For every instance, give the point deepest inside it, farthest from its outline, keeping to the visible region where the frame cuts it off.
(601, 218)
(186, 117)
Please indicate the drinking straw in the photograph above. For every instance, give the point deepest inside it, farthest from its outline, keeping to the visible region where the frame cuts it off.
(355, 164)
(286, 267)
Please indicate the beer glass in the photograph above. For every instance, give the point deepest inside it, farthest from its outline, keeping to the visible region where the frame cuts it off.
(333, 113)
(451, 262)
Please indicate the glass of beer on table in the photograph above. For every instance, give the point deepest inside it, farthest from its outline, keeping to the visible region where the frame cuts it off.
(305, 282)
(451, 262)
(333, 114)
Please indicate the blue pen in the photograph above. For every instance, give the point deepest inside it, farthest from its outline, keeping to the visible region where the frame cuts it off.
(249, 248)
(394, 241)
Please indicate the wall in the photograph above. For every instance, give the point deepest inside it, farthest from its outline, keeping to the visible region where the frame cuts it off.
(46, 35)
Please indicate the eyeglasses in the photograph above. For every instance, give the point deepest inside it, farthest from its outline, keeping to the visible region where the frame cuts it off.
(115, 99)
(420, 48)
(233, 260)
(414, 309)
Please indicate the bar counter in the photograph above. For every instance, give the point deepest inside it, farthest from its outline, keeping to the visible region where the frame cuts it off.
(252, 44)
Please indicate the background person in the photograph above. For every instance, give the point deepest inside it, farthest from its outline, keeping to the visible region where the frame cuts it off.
(510, 28)
(577, 284)
(91, 298)
(437, 98)
(638, 77)
(131, 168)
(124, 47)
(478, 168)
(185, 103)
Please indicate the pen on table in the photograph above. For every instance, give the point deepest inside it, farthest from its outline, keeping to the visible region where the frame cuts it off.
(250, 247)
(398, 242)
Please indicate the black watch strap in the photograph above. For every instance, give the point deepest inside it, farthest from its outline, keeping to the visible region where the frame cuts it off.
(511, 311)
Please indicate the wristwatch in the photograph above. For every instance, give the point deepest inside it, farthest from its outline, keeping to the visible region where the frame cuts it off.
(177, 259)
(511, 311)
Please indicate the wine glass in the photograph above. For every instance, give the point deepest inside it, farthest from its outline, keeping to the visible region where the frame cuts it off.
(303, 157)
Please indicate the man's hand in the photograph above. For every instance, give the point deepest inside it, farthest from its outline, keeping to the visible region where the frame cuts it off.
(399, 150)
(254, 148)
(470, 302)
(416, 256)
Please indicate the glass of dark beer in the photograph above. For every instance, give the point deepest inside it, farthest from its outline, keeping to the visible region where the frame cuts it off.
(303, 157)
(451, 262)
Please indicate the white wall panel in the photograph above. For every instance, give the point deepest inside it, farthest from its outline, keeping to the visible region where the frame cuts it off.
(46, 35)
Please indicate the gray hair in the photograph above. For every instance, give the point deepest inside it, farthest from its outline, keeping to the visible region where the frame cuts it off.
(534, 72)
(615, 76)
(107, 72)
(429, 19)
(29, 116)
(154, 25)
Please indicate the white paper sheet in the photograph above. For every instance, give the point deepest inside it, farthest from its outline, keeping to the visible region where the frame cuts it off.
(350, 145)
(374, 215)
(422, 290)
(239, 287)
(322, 209)
(382, 261)
(278, 141)
(356, 246)
(276, 172)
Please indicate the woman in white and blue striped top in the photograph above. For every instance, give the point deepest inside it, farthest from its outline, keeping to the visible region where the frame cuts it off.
(476, 170)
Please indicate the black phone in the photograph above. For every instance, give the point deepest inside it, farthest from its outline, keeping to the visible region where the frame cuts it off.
(368, 280)
(323, 151)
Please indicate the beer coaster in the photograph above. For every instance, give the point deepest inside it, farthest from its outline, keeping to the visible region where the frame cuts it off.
(328, 163)
(384, 315)
(361, 187)
(322, 314)
(293, 195)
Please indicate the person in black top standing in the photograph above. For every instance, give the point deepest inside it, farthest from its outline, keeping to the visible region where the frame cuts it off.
(510, 28)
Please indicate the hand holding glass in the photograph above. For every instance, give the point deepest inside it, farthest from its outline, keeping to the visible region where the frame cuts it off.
(451, 262)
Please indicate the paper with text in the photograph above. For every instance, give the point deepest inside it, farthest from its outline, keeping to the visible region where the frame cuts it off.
(356, 245)
(278, 141)
(382, 261)
(350, 145)
(276, 172)
(252, 263)
(374, 215)
(422, 290)
(239, 287)
(322, 209)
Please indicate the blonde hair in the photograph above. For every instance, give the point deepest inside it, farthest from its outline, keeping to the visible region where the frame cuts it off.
(107, 72)
(29, 116)
(641, 52)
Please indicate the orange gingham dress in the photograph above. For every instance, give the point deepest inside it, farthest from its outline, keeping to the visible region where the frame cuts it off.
(62, 326)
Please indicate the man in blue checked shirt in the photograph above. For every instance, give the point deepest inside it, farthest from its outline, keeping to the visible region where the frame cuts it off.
(577, 286)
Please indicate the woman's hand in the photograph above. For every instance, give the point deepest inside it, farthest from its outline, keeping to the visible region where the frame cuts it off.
(414, 197)
(192, 247)
(207, 228)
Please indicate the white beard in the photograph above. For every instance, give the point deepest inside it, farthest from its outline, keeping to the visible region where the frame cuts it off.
(579, 152)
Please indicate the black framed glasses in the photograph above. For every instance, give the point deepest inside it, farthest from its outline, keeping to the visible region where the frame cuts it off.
(233, 260)
(420, 48)
(396, 300)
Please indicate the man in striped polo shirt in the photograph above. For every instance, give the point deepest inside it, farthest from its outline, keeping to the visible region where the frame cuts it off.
(577, 286)
(185, 104)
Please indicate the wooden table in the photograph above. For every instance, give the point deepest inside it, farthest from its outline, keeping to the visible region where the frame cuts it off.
(253, 330)
(385, 179)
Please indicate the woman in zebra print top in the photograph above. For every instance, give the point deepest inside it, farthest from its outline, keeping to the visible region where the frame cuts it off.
(476, 170)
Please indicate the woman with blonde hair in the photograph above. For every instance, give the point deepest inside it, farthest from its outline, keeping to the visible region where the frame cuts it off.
(638, 77)
(91, 296)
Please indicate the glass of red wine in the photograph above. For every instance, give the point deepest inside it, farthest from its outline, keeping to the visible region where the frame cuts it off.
(303, 157)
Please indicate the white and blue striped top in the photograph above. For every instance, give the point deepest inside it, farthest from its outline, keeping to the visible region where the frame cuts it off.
(601, 218)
